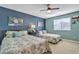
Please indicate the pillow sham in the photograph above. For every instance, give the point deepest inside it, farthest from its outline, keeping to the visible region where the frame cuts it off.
(11, 34)
(23, 33)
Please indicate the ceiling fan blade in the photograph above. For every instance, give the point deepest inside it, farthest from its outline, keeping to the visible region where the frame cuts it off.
(55, 8)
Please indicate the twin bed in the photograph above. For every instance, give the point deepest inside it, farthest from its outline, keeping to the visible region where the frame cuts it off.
(19, 42)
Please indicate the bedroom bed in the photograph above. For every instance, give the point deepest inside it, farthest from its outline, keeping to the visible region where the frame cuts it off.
(52, 38)
(23, 44)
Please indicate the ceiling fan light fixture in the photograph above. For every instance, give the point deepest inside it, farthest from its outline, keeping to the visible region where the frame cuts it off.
(49, 11)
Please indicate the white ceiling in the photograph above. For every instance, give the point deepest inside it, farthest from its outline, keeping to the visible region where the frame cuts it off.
(34, 9)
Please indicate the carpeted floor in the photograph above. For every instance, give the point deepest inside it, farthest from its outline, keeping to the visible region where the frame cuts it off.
(65, 47)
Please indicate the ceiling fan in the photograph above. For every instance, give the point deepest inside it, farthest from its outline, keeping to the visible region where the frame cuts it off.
(49, 8)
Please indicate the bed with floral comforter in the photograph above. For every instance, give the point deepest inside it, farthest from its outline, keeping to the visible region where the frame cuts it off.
(24, 45)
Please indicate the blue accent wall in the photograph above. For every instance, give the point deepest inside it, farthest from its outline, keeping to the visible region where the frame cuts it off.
(73, 34)
(5, 13)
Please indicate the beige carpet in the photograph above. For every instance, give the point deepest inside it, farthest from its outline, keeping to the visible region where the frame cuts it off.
(65, 47)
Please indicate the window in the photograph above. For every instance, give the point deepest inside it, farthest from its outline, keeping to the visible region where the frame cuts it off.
(62, 24)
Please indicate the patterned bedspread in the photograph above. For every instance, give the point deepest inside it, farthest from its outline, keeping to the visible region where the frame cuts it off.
(24, 45)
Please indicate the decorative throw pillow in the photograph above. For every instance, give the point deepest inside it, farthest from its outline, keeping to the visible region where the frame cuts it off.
(17, 34)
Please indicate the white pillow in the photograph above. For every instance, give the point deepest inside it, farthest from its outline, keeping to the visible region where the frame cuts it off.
(23, 33)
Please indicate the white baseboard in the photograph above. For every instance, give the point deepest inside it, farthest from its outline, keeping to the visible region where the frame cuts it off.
(73, 41)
